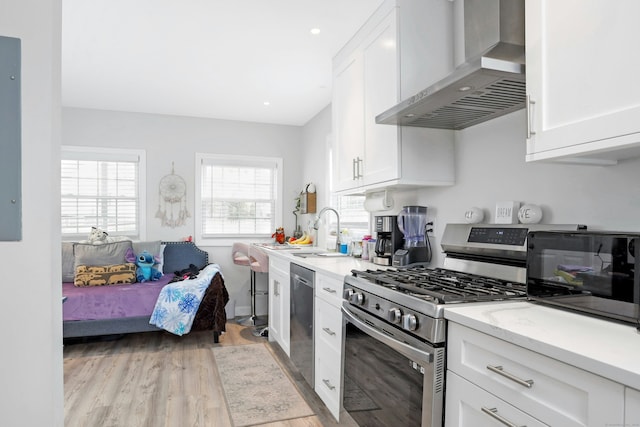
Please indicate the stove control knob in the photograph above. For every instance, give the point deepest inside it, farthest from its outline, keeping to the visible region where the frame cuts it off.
(357, 298)
(395, 315)
(409, 322)
(347, 294)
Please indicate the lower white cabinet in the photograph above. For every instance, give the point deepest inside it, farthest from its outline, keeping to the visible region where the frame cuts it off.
(469, 405)
(549, 391)
(328, 342)
(279, 291)
(631, 407)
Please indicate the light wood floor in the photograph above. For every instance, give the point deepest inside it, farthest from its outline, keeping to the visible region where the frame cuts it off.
(159, 379)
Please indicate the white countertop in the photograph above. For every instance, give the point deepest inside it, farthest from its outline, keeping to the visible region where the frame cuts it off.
(609, 349)
(336, 267)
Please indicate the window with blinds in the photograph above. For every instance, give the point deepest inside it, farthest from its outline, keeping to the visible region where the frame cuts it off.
(101, 188)
(353, 216)
(238, 196)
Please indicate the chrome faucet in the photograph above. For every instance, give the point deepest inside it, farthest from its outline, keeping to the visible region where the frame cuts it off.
(317, 222)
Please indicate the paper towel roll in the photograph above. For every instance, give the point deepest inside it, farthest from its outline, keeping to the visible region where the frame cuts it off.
(376, 202)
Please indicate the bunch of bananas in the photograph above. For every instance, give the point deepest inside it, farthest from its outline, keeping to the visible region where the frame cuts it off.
(306, 239)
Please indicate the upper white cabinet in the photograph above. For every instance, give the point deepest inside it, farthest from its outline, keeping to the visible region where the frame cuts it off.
(348, 122)
(369, 78)
(581, 80)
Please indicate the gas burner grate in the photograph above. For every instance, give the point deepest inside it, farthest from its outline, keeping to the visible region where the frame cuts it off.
(444, 286)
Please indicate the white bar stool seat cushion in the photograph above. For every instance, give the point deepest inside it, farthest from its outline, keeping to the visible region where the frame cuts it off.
(259, 260)
(240, 254)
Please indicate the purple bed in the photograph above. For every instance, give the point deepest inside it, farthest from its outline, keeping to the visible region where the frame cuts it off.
(126, 308)
(111, 302)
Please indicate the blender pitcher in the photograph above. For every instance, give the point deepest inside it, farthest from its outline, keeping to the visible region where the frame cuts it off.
(412, 222)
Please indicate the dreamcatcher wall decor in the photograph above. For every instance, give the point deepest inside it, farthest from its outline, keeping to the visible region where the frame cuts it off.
(172, 200)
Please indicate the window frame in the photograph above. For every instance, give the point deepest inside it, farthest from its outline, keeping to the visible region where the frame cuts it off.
(76, 152)
(229, 239)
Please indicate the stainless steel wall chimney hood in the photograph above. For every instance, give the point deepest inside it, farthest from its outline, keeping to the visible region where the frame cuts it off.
(487, 85)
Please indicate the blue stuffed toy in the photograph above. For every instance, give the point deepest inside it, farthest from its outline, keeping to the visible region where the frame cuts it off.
(145, 270)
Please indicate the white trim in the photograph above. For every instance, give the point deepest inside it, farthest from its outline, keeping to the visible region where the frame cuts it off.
(208, 158)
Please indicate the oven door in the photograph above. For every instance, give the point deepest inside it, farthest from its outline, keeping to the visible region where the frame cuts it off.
(389, 377)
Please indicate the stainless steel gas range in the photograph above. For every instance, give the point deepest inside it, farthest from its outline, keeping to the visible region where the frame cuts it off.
(395, 331)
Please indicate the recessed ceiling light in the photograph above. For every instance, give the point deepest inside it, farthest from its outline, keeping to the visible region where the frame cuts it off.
(315, 31)
(266, 103)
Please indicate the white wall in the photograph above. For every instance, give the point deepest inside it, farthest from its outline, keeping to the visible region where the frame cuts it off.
(168, 139)
(315, 162)
(490, 167)
(31, 385)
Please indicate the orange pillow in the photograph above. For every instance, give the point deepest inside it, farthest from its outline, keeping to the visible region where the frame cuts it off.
(105, 274)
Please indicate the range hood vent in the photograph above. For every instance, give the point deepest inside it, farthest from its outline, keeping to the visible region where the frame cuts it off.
(486, 86)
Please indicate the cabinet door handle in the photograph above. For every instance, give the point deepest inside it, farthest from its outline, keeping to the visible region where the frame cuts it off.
(493, 412)
(328, 331)
(530, 104)
(360, 162)
(276, 288)
(354, 174)
(328, 384)
(500, 371)
(331, 291)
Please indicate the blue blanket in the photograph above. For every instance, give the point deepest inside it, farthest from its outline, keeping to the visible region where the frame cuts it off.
(178, 302)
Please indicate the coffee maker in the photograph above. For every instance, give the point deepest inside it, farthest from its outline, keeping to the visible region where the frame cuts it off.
(389, 239)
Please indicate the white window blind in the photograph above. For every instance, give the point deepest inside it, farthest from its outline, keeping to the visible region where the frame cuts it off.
(239, 196)
(101, 188)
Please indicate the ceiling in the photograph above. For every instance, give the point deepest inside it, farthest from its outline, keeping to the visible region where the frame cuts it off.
(206, 58)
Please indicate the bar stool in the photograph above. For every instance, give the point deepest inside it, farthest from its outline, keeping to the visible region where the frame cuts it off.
(259, 263)
(240, 256)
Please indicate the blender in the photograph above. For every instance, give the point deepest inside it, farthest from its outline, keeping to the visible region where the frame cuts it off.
(412, 222)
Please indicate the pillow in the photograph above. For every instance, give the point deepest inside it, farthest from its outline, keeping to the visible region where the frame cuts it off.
(107, 254)
(155, 248)
(160, 264)
(68, 262)
(105, 275)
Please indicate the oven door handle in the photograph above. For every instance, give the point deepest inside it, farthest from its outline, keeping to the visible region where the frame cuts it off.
(405, 349)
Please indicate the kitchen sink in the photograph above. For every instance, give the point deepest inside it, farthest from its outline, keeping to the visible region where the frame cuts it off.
(318, 254)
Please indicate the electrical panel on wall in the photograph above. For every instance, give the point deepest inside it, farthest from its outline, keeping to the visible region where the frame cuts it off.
(10, 141)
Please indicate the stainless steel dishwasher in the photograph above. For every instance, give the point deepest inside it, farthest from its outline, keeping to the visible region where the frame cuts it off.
(301, 326)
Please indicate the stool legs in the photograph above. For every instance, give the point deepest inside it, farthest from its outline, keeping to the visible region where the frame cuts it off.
(254, 319)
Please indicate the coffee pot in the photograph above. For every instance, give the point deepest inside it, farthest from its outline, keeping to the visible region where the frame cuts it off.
(389, 239)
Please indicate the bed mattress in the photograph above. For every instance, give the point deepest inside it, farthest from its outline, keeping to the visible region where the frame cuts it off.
(111, 302)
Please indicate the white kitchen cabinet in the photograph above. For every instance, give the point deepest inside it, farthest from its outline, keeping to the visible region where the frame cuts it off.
(552, 392)
(631, 407)
(328, 341)
(348, 122)
(470, 406)
(368, 79)
(279, 292)
(584, 103)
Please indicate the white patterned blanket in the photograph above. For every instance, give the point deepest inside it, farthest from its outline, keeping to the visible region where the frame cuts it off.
(178, 302)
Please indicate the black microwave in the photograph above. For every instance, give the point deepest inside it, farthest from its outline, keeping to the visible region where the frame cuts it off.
(591, 272)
